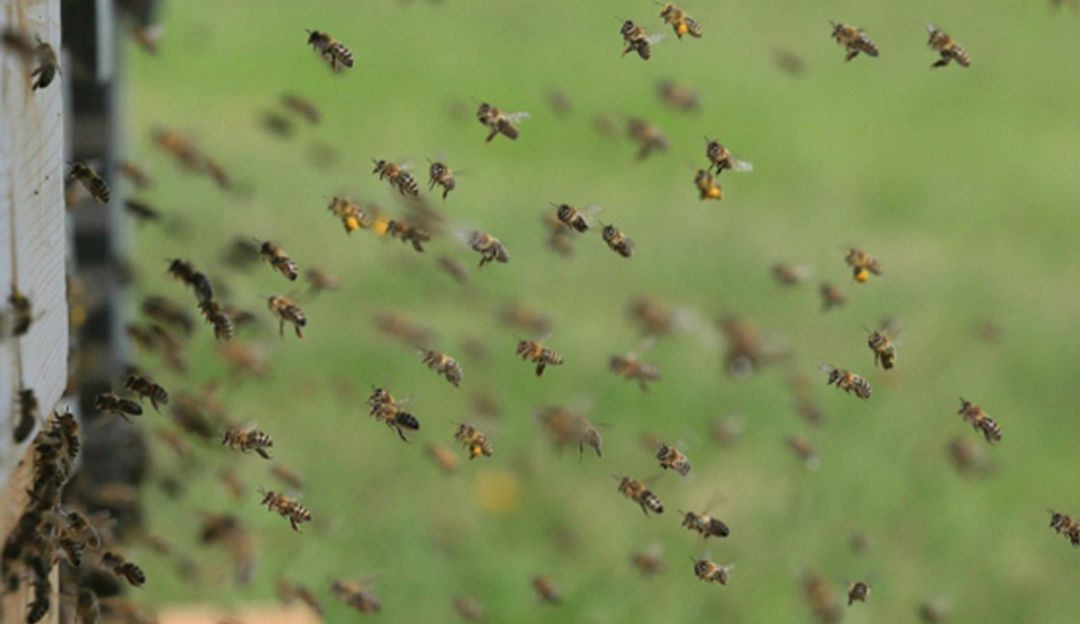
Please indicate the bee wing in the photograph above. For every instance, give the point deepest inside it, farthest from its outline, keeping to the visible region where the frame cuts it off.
(406, 166)
(826, 368)
(655, 39)
(517, 117)
(645, 345)
(741, 166)
(592, 211)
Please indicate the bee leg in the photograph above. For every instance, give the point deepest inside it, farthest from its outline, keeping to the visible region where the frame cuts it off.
(262, 453)
(491, 135)
(644, 509)
(281, 328)
(540, 369)
(401, 434)
(850, 55)
(299, 333)
(292, 521)
(445, 193)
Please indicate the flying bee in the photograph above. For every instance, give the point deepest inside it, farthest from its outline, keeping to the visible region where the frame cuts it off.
(721, 158)
(439, 173)
(144, 387)
(352, 217)
(398, 176)
(648, 137)
(286, 508)
(403, 329)
(637, 40)
(577, 220)
(87, 607)
(321, 280)
(27, 404)
(303, 107)
(489, 247)
(469, 609)
(109, 402)
(408, 233)
(820, 596)
(135, 174)
(980, 420)
(285, 310)
(636, 491)
(855, 40)
(546, 590)
(525, 319)
(474, 440)
(673, 458)
(356, 594)
(847, 381)
(1065, 525)
(388, 410)
(91, 181)
(857, 591)
(142, 211)
(617, 241)
(443, 457)
(561, 424)
(679, 96)
(788, 275)
(682, 23)
(862, 264)
(185, 271)
(454, 267)
(631, 367)
(831, 296)
(334, 52)
(652, 316)
(279, 260)
(48, 65)
(711, 572)
(287, 592)
(123, 568)
(947, 47)
(499, 122)
(444, 365)
(588, 435)
(804, 450)
(248, 439)
(533, 351)
(706, 525)
(707, 186)
(219, 318)
(649, 560)
(726, 431)
(967, 458)
(560, 237)
(883, 347)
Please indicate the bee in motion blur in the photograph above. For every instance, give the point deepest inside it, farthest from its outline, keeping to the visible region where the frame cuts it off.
(637, 40)
(219, 318)
(546, 590)
(862, 264)
(109, 402)
(320, 280)
(286, 311)
(408, 233)
(490, 248)
(356, 594)
(248, 439)
(883, 347)
(22, 314)
(673, 459)
(789, 275)
(637, 491)
(535, 352)
(385, 408)
(185, 271)
(980, 420)
(286, 508)
(682, 23)
(91, 181)
(712, 572)
(499, 122)
(831, 296)
(470, 610)
(38, 52)
(28, 407)
(804, 450)
(123, 568)
(707, 186)
(858, 591)
(648, 137)
(847, 381)
(855, 40)
(443, 457)
(444, 365)
(947, 48)
(617, 241)
(439, 173)
(679, 96)
(577, 220)
(333, 52)
(279, 260)
(819, 595)
(474, 440)
(721, 158)
(560, 237)
(301, 106)
(631, 367)
(708, 526)
(144, 387)
(398, 176)
(649, 560)
(352, 217)
(652, 316)
(1065, 525)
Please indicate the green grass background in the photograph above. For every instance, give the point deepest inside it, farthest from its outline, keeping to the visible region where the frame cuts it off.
(963, 182)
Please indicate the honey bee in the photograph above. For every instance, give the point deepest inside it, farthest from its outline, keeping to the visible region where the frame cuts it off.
(617, 241)
(934, 612)
(831, 296)
(403, 329)
(533, 351)
(636, 491)
(287, 591)
(185, 271)
(408, 233)
(303, 107)
(28, 407)
(285, 310)
(746, 351)
(1065, 525)
(443, 457)
(398, 176)
(649, 560)
(682, 23)
(321, 280)
(673, 458)
(947, 47)
(142, 211)
(245, 359)
(652, 316)
(386, 409)
(123, 568)
(356, 594)
(883, 347)
(726, 431)
(279, 260)
(144, 387)
(862, 264)
(588, 435)
(706, 525)
(91, 181)
(967, 458)
(48, 65)
(546, 590)
(820, 596)
(444, 365)
(334, 52)
(858, 543)
(525, 319)
(286, 508)
(648, 137)
(847, 381)
(707, 186)
(637, 40)
(216, 316)
(454, 267)
(499, 122)
(804, 450)
(277, 124)
(857, 591)
(679, 96)
(789, 275)
(721, 158)
(109, 402)
(854, 39)
(439, 173)
(561, 424)
(474, 440)
(577, 220)
(352, 217)
(604, 125)
(139, 178)
(248, 439)
(489, 247)
(789, 62)
(87, 607)
(980, 420)
(712, 572)
(560, 237)
(469, 609)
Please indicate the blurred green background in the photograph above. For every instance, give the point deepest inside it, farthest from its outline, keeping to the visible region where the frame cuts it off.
(963, 182)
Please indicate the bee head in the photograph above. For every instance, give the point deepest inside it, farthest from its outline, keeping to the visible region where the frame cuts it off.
(484, 109)
(609, 232)
(379, 165)
(565, 211)
(314, 35)
(628, 27)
